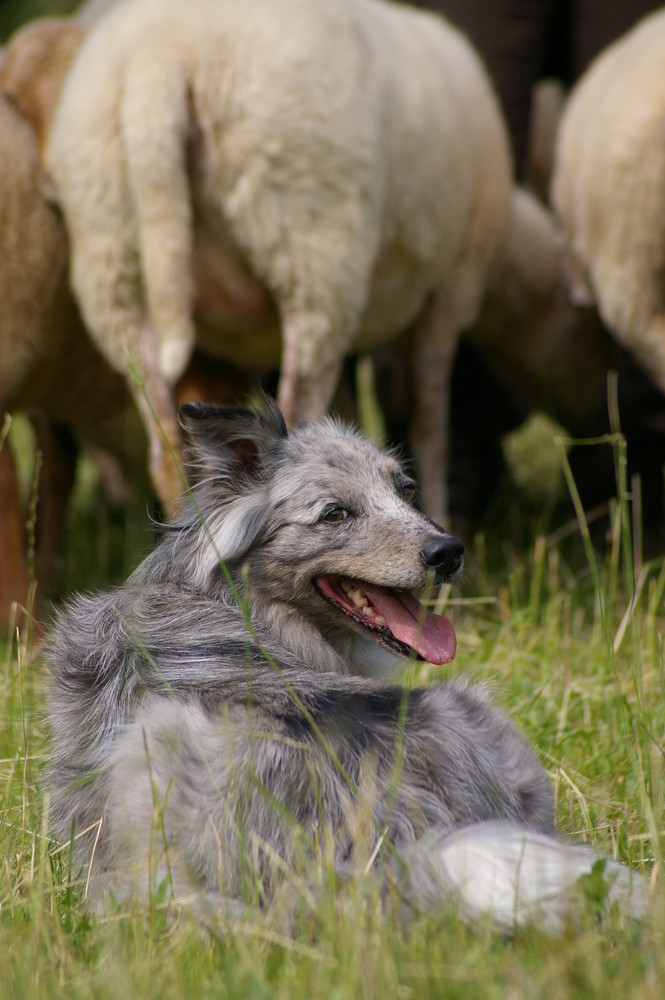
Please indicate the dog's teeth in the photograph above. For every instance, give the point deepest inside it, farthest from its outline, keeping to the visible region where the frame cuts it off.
(358, 598)
(361, 602)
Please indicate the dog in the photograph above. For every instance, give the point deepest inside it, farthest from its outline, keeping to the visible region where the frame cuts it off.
(228, 715)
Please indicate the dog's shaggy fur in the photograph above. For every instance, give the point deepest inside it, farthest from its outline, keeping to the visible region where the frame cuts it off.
(211, 723)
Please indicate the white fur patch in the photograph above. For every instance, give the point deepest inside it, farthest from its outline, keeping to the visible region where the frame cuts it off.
(227, 537)
(514, 876)
(369, 659)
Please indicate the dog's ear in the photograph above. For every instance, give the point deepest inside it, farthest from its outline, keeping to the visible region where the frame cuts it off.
(231, 436)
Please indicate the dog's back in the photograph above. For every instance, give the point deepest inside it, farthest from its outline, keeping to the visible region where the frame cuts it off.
(210, 725)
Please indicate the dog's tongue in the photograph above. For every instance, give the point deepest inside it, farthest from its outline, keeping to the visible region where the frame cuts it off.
(432, 636)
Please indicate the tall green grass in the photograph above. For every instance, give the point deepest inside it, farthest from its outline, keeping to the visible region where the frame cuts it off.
(569, 636)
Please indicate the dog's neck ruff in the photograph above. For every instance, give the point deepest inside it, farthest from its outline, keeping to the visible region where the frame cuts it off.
(394, 617)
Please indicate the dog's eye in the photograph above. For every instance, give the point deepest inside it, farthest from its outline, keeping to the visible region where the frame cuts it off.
(335, 515)
(409, 494)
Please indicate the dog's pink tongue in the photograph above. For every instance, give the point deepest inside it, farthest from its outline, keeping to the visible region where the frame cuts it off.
(432, 636)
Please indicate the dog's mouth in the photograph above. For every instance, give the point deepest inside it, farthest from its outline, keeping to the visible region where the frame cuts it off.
(396, 618)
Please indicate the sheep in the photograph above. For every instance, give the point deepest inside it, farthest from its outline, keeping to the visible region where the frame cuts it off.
(336, 170)
(34, 66)
(531, 348)
(608, 190)
(48, 365)
(550, 353)
(554, 354)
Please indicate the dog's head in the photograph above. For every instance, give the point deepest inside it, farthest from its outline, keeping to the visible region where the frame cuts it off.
(327, 525)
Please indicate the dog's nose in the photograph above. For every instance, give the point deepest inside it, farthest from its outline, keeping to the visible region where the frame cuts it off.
(443, 554)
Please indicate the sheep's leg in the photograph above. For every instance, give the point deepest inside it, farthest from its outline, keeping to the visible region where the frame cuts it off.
(157, 407)
(157, 122)
(112, 312)
(311, 367)
(320, 320)
(161, 424)
(431, 368)
(13, 570)
(154, 400)
(434, 342)
(56, 480)
(315, 248)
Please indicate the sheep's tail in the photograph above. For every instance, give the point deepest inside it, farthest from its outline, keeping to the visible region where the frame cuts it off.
(158, 129)
(516, 877)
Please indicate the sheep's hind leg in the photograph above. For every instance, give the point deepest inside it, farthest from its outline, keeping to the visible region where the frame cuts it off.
(319, 323)
(13, 571)
(434, 341)
(309, 375)
(156, 405)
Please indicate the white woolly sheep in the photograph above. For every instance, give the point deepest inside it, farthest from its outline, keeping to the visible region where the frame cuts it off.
(533, 349)
(336, 169)
(554, 355)
(608, 189)
(542, 351)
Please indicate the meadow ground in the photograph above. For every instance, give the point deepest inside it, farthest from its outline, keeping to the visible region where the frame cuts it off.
(569, 635)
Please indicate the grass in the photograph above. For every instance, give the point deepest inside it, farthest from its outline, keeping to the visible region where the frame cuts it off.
(571, 641)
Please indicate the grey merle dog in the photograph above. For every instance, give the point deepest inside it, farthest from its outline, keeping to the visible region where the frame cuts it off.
(227, 711)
